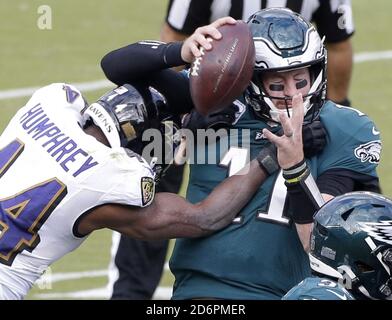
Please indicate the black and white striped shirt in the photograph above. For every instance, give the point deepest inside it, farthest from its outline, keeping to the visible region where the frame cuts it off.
(333, 18)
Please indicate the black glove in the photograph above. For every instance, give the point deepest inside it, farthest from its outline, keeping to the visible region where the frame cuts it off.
(314, 138)
(218, 120)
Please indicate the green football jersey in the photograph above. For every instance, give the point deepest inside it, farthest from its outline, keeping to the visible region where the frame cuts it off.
(259, 255)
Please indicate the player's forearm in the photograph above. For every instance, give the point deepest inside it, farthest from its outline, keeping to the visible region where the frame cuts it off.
(139, 64)
(229, 197)
(138, 60)
(304, 230)
(171, 216)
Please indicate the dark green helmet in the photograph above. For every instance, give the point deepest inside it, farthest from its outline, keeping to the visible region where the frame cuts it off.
(352, 241)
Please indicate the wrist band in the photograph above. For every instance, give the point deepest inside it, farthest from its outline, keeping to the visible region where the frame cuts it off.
(295, 173)
(303, 175)
(267, 159)
(295, 169)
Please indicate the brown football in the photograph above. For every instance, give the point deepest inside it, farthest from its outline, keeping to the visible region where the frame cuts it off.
(220, 75)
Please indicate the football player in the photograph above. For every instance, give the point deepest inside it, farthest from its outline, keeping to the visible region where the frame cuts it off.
(68, 168)
(333, 19)
(263, 253)
(351, 244)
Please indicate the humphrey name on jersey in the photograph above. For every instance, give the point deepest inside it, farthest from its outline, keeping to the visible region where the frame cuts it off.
(61, 147)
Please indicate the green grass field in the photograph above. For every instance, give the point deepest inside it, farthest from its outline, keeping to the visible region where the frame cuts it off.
(83, 31)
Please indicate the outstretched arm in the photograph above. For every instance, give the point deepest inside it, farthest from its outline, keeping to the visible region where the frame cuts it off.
(171, 216)
(148, 63)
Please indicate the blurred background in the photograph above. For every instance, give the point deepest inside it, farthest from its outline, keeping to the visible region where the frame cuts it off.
(68, 48)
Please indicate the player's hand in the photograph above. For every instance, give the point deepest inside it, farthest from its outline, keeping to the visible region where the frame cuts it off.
(222, 119)
(201, 39)
(289, 145)
(314, 138)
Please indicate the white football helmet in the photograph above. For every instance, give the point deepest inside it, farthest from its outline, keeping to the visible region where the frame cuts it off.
(285, 41)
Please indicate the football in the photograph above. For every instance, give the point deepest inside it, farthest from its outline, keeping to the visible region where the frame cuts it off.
(221, 74)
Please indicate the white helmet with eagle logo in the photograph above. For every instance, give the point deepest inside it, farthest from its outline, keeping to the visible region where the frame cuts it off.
(284, 41)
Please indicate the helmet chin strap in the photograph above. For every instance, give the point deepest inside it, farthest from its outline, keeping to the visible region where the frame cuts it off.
(104, 121)
(274, 112)
(373, 247)
(321, 267)
(349, 278)
(384, 288)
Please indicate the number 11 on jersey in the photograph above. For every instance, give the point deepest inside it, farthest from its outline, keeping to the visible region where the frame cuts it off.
(235, 159)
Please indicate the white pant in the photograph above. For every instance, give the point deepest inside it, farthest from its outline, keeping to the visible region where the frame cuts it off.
(6, 294)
